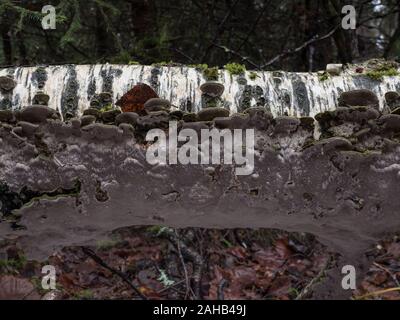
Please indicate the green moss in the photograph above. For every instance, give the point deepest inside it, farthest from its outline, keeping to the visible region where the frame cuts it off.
(27, 198)
(16, 215)
(382, 72)
(107, 244)
(379, 68)
(133, 63)
(157, 230)
(13, 264)
(160, 64)
(37, 283)
(107, 107)
(293, 292)
(323, 76)
(84, 295)
(253, 76)
(211, 74)
(200, 67)
(235, 68)
(226, 243)
(123, 58)
(165, 64)
(211, 102)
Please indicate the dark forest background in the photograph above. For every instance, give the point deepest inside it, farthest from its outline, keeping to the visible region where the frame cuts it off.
(298, 35)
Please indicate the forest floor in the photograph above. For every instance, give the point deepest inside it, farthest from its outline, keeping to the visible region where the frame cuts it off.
(163, 263)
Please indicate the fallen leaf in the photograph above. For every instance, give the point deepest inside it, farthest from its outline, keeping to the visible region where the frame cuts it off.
(394, 249)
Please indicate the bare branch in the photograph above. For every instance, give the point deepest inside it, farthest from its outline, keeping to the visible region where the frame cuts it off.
(246, 59)
(303, 46)
(99, 261)
(220, 31)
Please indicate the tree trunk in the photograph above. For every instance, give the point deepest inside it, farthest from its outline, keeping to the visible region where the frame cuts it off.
(6, 40)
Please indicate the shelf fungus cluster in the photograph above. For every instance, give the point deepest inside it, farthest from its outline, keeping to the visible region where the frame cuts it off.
(71, 180)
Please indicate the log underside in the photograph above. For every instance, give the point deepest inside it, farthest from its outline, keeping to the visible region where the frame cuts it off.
(74, 185)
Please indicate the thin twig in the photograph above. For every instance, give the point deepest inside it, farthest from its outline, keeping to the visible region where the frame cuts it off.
(183, 54)
(303, 46)
(275, 276)
(220, 30)
(391, 274)
(193, 256)
(253, 27)
(376, 293)
(178, 245)
(238, 55)
(99, 261)
(320, 275)
(170, 287)
(221, 287)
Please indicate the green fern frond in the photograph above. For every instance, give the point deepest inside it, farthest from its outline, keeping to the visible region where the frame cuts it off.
(109, 6)
(110, 28)
(74, 27)
(24, 14)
